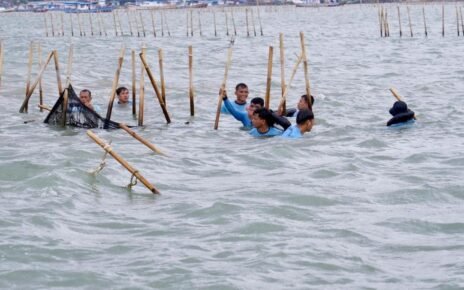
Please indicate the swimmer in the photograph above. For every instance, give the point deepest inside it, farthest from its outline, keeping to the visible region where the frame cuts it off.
(304, 123)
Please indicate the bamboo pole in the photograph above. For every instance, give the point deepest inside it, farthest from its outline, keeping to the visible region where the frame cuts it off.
(46, 26)
(141, 94)
(39, 52)
(191, 23)
(163, 84)
(282, 67)
(259, 18)
(139, 138)
(69, 65)
(305, 66)
(214, 20)
(57, 69)
(143, 25)
(222, 91)
(64, 107)
(115, 84)
(457, 19)
(267, 98)
(99, 20)
(103, 24)
(155, 87)
(409, 19)
(62, 24)
(191, 91)
(31, 90)
(425, 23)
(52, 24)
(199, 23)
(246, 20)
(443, 20)
(399, 20)
(114, 24)
(121, 161)
(130, 24)
(462, 22)
(187, 23)
(387, 24)
(167, 26)
(153, 22)
(233, 21)
(381, 21)
(119, 23)
(136, 23)
(283, 100)
(80, 25)
(134, 112)
(2, 49)
(227, 23)
(29, 70)
(71, 22)
(253, 21)
(91, 24)
(162, 24)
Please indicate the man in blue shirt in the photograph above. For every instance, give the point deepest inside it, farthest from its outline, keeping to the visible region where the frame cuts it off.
(304, 123)
(240, 104)
(303, 103)
(244, 116)
(263, 123)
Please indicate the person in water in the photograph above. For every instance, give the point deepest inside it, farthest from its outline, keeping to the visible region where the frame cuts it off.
(263, 123)
(302, 104)
(304, 123)
(240, 104)
(86, 98)
(245, 117)
(400, 113)
(123, 96)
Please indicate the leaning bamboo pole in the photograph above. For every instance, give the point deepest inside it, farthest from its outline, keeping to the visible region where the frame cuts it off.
(139, 138)
(141, 94)
(29, 70)
(22, 109)
(222, 91)
(161, 70)
(267, 98)
(259, 18)
(305, 66)
(153, 22)
(191, 91)
(115, 84)
(155, 87)
(134, 95)
(121, 161)
(282, 67)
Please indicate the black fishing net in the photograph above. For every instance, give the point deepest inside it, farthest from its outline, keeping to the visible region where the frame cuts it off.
(77, 114)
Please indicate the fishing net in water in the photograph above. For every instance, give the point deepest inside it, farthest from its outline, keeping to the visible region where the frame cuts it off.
(77, 114)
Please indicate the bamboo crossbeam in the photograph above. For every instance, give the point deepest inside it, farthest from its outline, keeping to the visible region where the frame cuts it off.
(223, 88)
(267, 98)
(115, 83)
(155, 87)
(139, 138)
(121, 161)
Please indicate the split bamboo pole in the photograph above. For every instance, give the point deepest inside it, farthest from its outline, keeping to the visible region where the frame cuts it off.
(425, 23)
(155, 87)
(161, 69)
(153, 22)
(115, 84)
(29, 70)
(282, 67)
(409, 19)
(267, 98)
(305, 66)
(191, 91)
(22, 109)
(399, 20)
(134, 94)
(139, 138)
(222, 91)
(121, 161)
(141, 94)
(46, 26)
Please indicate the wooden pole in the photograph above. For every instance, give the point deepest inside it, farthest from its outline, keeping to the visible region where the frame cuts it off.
(227, 23)
(283, 100)
(222, 91)
(31, 90)
(167, 26)
(114, 24)
(46, 26)
(115, 83)
(52, 24)
(91, 23)
(62, 24)
(39, 52)
(282, 68)
(399, 20)
(233, 21)
(130, 24)
(443, 20)
(191, 91)
(155, 87)
(153, 22)
(57, 69)
(462, 22)
(29, 71)
(134, 111)
(163, 84)
(141, 94)
(267, 98)
(2, 49)
(425, 23)
(214, 20)
(143, 25)
(259, 18)
(409, 18)
(71, 22)
(121, 161)
(199, 23)
(139, 138)
(246, 20)
(80, 25)
(381, 21)
(305, 66)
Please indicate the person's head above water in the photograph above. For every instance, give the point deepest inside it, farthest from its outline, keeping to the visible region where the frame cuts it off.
(241, 92)
(303, 103)
(262, 119)
(123, 95)
(305, 120)
(398, 108)
(85, 96)
(255, 104)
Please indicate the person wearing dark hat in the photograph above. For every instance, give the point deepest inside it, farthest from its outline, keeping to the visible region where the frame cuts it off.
(400, 113)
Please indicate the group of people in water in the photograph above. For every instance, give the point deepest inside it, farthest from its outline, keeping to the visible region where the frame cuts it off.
(262, 122)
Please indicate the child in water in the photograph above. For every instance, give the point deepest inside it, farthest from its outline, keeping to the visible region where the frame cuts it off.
(401, 114)
(304, 123)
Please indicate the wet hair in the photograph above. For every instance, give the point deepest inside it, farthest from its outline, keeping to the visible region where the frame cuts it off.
(258, 101)
(266, 115)
(306, 99)
(241, 86)
(120, 90)
(303, 116)
(87, 91)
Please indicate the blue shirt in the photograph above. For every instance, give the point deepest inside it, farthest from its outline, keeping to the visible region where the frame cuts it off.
(239, 115)
(237, 107)
(292, 132)
(273, 131)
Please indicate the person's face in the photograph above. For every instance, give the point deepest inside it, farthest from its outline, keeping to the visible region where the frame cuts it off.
(251, 109)
(85, 97)
(257, 121)
(241, 94)
(302, 104)
(124, 96)
(309, 125)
